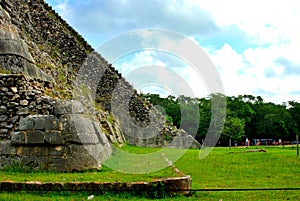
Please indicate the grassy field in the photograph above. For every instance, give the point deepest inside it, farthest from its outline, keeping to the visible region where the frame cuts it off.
(223, 168)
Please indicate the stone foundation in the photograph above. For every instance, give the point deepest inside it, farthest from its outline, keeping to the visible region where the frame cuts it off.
(48, 133)
(166, 186)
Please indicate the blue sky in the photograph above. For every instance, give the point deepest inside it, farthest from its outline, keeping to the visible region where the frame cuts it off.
(253, 44)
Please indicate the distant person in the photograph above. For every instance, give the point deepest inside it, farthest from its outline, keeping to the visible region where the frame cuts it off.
(246, 142)
(279, 141)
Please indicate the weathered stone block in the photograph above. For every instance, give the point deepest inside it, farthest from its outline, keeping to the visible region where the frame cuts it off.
(51, 123)
(34, 137)
(10, 94)
(4, 89)
(53, 137)
(26, 124)
(9, 126)
(19, 151)
(26, 151)
(102, 139)
(18, 138)
(23, 111)
(68, 107)
(15, 97)
(13, 45)
(3, 118)
(14, 119)
(79, 129)
(12, 104)
(67, 124)
(57, 151)
(34, 151)
(112, 139)
(28, 160)
(3, 110)
(24, 102)
(14, 89)
(84, 157)
(47, 122)
(7, 149)
(3, 124)
(39, 122)
(4, 98)
(58, 164)
(4, 131)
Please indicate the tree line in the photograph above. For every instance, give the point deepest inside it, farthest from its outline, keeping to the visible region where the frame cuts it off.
(247, 116)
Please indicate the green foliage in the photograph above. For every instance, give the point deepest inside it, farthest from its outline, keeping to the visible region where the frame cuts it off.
(51, 15)
(170, 105)
(21, 168)
(294, 110)
(110, 118)
(168, 138)
(4, 71)
(233, 129)
(114, 77)
(168, 119)
(159, 191)
(247, 116)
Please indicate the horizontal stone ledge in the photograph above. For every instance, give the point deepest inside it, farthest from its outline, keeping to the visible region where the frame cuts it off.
(171, 186)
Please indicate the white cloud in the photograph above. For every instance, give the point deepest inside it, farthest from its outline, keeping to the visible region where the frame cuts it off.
(268, 67)
(167, 74)
(274, 28)
(264, 21)
(230, 65)
(130, 63)
(255, 71)
(194, 80)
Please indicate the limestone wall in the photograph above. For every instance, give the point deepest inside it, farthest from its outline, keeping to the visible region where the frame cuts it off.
(48, 133)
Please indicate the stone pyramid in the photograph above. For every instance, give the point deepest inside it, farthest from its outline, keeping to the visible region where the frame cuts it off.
(47, 119)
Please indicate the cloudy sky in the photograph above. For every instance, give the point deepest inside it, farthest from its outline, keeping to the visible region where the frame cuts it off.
(254, 45)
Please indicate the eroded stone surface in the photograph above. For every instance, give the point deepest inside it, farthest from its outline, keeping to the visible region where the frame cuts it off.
(166, 186)
(52, 134)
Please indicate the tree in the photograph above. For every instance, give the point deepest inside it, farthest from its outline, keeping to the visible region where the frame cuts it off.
(294, 110)
(234, 129)
(205, 114)
(247, 115)
(242, 108)
(273, 121)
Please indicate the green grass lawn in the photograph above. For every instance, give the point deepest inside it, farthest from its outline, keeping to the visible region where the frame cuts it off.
(105, 174)
(222, 168)
(240, 169)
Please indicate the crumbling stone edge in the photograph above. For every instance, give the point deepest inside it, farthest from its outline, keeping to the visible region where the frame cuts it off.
(167, 186)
